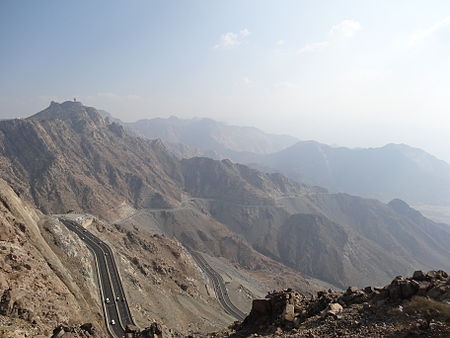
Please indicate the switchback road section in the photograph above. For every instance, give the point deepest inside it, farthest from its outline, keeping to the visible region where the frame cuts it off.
(116, 311)
(219, 287)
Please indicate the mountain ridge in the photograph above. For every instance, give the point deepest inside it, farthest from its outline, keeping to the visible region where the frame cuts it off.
(385, 173)
(208, 134)
(395, 171)
(69, 157)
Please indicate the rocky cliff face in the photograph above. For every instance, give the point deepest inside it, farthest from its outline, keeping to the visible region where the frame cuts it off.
(69, 157)
(39, 286)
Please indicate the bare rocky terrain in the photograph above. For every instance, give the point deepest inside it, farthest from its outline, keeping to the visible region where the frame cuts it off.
(40, 287)
(71, 157)
(418, 306)
(302, 226)
(151, 207)
(42, 259)
(162, 281)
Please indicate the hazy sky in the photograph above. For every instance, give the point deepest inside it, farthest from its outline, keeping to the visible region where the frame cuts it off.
(347, 72)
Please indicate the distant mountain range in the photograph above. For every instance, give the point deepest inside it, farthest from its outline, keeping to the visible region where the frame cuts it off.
(392, 171)
(209, 135)
(71, 157)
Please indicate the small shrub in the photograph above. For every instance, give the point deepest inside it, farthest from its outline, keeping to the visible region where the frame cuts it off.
(429, 308)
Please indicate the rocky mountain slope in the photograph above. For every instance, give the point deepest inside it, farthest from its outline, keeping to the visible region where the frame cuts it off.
(70, 157)
(301, 225)
(38, 283)
(162, 281)
(41, 259)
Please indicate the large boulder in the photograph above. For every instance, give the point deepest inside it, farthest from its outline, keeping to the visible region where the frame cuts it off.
(155, 330)
(88, 327)
(333, 309)
(131, 328)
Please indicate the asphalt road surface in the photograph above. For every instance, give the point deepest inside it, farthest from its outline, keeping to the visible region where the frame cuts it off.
(219, 287)
(116, 308)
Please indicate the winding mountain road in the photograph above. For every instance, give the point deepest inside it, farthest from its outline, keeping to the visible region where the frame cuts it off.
(111, 288)
(219, 287)
(116, 308)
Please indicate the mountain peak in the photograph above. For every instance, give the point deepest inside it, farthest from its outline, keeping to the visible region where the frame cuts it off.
(399, 204)
(73, 103)
(69, 110)
(403, 208)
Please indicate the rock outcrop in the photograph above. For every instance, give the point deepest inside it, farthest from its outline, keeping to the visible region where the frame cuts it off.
(82, 331)
(416, 305)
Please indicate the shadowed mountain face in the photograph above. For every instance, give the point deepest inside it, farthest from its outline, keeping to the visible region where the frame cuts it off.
(329, 236)
(392, 171)
(70, 157)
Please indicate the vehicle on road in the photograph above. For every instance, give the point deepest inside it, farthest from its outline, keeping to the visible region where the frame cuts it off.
(117, 298)
(113, 321)
(107, 301)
